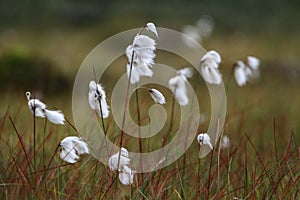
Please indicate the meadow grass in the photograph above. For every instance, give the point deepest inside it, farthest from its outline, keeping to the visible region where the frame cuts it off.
(262, 123)
(262, 161)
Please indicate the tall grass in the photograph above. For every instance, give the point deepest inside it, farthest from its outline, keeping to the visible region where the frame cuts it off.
(261, 163)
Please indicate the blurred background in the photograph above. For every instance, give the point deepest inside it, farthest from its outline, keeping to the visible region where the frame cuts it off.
(42, 44)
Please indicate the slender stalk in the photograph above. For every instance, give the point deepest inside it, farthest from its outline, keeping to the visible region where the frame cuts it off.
(109, 187)
(102, 121)
(180, 179)
(246, 173)
(127, 94)
(101, 113)
(49, 163)
(166, 135)
(199, 172)
(99, 100)
(34, 147)
(171, 121)
(219, 153)
(219, 150)
(95, 171)
(275, 143)
(45, 125)
(188, 129)
(139, 129)
(125, 107)
(209, 173)
(22, 144)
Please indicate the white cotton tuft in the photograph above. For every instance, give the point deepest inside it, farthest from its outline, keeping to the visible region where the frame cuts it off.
(203, 138)
(209, 67)
(126, 175)
(253, 62)
(68, 155)
(143, 51)
(72, 148)
(55, 116)
(96, 94)
(152, 28)
(39, 107)
(211, 75)
(187, 72)
(241, 73)
(143, 42)
(135, 74)
(157, 96)
(212, 55)
(35, 105)
(191, 35)
(77, 143)
(124, 160)
(178, 87)
(225, 142)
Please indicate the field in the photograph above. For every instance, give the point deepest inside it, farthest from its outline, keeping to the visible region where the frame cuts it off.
(262, 120)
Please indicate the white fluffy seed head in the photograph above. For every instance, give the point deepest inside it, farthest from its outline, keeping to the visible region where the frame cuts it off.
(55, 116)
(157, 96)
(126, 175)
(204, 139)
(39, 109)
(225, 142)
(212, 55)
(143, 42)
(178, 87)
(96, 94)
(114, 159)
(71, 148)
(253, 62)
(242, 73)
(152, 28)
(210, 73)
(187, 72)
(143, 52)
(209, 67)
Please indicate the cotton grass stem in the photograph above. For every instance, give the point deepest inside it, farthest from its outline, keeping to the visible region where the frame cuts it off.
(171, 122)
(44, 133)
(275, 143)
(209, 173)
(139, 129)
(34, 134)
(125, 107)
(164, 140)
(22, 144)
